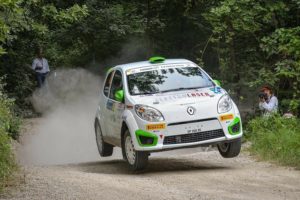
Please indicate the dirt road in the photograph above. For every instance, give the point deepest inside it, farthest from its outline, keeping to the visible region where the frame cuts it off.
(183, 174)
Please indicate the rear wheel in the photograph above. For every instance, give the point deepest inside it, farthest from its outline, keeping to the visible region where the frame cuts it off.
(137, 160)
(230, 149)
(104, 148)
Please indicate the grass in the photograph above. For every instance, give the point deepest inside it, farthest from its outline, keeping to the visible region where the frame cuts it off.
(275, 138)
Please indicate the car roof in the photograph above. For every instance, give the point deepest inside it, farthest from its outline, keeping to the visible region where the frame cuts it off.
(133, 65)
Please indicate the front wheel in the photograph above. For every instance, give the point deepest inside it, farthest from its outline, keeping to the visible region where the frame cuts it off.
(230, 149)
(137, 160)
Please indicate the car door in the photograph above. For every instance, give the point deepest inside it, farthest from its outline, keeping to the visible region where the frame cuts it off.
(115, 109)
(102, 105)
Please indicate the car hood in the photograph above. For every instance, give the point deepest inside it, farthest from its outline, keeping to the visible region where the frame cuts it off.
(174, 105)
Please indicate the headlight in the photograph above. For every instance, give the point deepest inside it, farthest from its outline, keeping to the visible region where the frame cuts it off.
(224, 104)
(148, 113)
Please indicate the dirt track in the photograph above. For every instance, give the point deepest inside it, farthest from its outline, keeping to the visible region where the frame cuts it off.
(182, 174)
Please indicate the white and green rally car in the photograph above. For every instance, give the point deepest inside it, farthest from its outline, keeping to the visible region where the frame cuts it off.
(164, 104)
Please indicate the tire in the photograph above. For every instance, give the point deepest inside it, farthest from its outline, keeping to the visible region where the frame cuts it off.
(137, 160)
(104, 148)
(230, 149)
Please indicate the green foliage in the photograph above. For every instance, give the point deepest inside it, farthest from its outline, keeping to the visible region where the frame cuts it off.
(11, 16)
(9, 127)
(25, 25)
(9, 122)
(67, 17)
(258, 44)
(283, 47)
(7, 163)
(276, 138)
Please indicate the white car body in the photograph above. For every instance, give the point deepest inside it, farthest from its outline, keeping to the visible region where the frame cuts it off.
(190, 117)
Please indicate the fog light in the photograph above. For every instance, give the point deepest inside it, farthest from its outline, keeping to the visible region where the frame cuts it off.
(146, 140)
(234, 127)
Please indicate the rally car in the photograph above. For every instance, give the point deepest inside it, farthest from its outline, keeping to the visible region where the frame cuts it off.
(164, 104)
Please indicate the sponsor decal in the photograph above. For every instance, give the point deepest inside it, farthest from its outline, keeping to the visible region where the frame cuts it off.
(198, 94)
(226, 117)
(155, 126)
(113, 106)
(157, 67)
(110, 105)
(216, 90)
(182, 96)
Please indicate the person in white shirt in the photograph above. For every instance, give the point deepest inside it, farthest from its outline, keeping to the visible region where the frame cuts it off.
(269, 103)
(41, 67)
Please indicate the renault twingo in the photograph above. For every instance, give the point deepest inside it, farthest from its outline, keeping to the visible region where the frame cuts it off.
(164, 104)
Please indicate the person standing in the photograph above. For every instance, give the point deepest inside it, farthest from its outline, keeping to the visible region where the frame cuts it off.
(41, 67)
(268, 102)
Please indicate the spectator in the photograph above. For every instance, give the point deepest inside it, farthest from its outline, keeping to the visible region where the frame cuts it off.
(268, 103)
(41, 67)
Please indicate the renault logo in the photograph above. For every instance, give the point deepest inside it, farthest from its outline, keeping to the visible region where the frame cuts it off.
(191, 110)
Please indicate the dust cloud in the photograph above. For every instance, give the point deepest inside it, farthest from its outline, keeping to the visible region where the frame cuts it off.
(65, 133)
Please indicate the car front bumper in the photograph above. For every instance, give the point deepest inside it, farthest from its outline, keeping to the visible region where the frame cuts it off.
(160, 136)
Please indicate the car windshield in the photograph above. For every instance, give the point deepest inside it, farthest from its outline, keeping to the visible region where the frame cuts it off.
(166, 79)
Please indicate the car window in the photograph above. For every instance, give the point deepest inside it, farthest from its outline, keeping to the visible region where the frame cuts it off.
(166, 79)
(117, 84)
(107, 83)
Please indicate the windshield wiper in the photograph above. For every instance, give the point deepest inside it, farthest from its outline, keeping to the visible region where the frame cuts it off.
(181, 88)
(145, 93)
(171, 90)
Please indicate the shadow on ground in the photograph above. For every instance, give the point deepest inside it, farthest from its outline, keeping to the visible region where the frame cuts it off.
(156, 165)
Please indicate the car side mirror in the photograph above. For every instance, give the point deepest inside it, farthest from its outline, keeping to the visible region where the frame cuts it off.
(119, 95)
(217, 82)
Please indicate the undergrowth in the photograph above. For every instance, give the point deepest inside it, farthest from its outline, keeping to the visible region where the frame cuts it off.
(275, 138)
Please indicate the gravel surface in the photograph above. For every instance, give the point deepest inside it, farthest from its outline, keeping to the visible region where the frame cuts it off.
(182, 174)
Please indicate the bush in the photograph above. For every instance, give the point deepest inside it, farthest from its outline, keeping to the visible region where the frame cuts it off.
(9, 127)
(7, 161)
(9, 122)
(275, 138)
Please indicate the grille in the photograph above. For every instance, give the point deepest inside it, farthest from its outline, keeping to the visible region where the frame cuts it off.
(194, 137)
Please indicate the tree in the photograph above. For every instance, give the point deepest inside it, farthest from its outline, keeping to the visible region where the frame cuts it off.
(255, 38)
